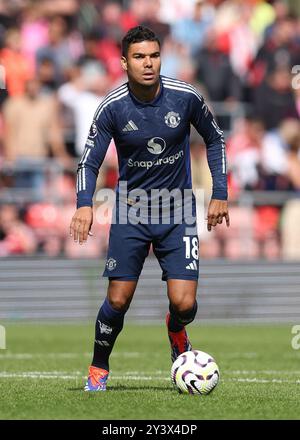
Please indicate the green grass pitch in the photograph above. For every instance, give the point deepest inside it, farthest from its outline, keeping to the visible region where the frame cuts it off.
(43, 372)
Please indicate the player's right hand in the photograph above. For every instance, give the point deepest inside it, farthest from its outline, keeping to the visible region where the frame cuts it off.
(81, 224)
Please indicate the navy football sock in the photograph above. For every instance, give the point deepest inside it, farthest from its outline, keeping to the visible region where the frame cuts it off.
(109, 324)
(173, 325)
(178, 321)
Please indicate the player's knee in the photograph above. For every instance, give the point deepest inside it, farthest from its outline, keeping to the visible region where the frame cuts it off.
(183, 304)
(184, 312)
(120, 295)
(119, 303)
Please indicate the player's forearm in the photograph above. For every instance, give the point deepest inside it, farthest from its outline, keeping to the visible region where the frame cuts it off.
(85, 186)
(217, 164)
(203, 121)
(219, 190)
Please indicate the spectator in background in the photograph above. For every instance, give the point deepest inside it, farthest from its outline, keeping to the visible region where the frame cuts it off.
(46, 75)
(281, 11)
(63, 49)
(214, 70)
(82, 95)
(91, 48)
(243, 42)
(18, 68)
(129, 17)
(283, 47)
(281, 155)
(72, 119)
(111, 20)
(15, 237)
(179, 11)
(260, 160)
(263, 15)
(192, 31)
(244, 153)
(87, 17)
(102, 41)
(31, 126)
(90, 12)
(34, 30)
(153, 21)
(274, 99)
(176, 60)
(280, 50)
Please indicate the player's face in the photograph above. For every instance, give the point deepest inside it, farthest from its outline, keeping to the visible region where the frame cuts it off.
(142, 63)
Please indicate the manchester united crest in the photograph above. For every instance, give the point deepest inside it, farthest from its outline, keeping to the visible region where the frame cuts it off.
(172, 119)
(111, 264)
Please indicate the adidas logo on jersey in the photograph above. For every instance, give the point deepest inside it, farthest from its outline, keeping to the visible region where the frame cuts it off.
(130, 126)
(192, 265)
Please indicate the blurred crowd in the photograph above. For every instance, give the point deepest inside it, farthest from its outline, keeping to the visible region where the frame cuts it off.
(58, 59)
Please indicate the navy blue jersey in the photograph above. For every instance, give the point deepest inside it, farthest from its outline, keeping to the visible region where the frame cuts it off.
(152, 140)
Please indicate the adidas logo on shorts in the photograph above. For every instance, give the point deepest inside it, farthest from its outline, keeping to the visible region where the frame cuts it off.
(192, 265)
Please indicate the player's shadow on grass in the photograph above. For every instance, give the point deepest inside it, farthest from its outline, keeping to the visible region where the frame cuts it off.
(128, 388)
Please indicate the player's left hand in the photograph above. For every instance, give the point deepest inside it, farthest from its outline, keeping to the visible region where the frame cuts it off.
(217, 209)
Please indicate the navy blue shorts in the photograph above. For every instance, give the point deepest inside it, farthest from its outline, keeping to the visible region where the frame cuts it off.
(174, 245)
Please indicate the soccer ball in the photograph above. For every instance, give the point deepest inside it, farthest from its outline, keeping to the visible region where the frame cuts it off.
(195, 372)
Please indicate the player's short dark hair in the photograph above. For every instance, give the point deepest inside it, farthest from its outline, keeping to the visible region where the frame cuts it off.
(136, 35)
